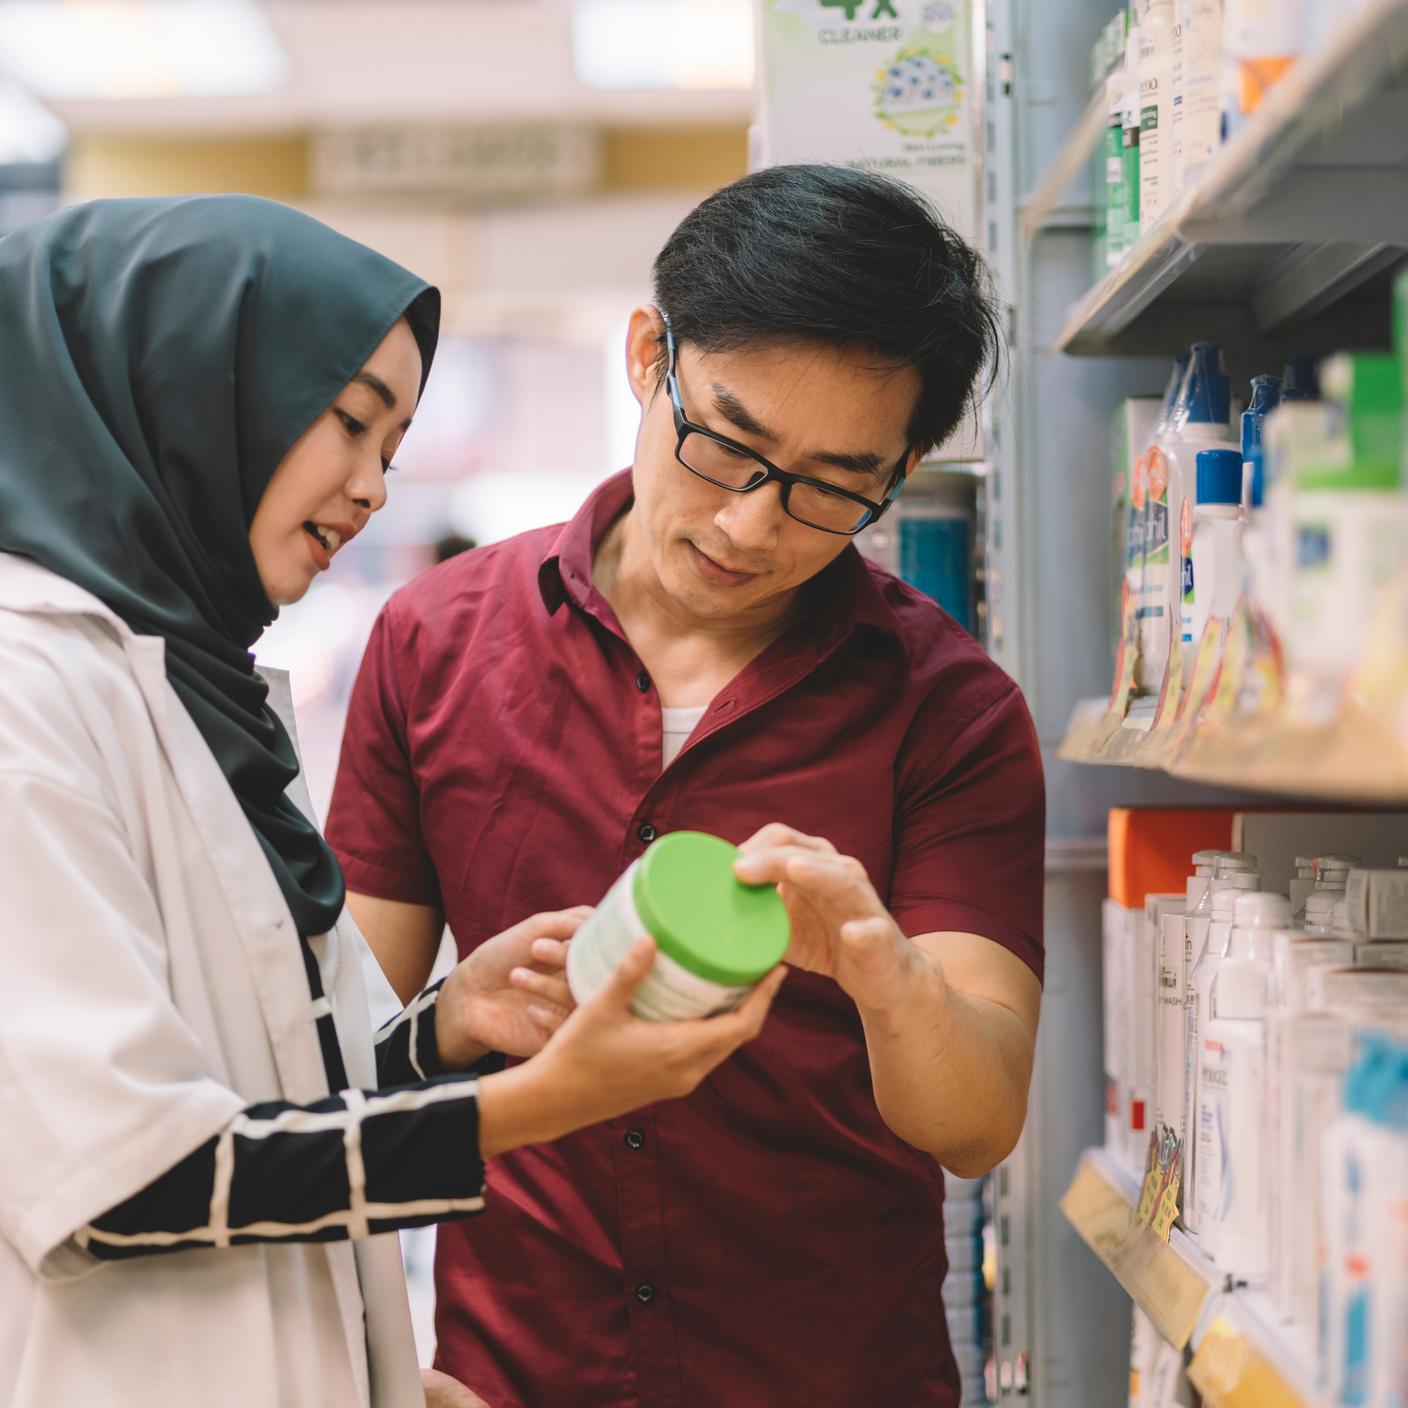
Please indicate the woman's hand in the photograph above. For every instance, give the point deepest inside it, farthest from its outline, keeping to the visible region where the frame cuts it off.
(839, 925)
(510, 994)
(605, 1062)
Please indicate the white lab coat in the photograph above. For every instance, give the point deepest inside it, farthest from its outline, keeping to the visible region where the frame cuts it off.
(151, 986)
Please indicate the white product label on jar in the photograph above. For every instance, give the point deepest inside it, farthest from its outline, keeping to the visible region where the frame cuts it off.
(670, 992)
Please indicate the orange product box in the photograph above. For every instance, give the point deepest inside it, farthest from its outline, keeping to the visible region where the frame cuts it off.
(1150, 847)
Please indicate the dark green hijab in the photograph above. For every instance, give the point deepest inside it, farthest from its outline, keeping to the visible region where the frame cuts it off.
(157, 360)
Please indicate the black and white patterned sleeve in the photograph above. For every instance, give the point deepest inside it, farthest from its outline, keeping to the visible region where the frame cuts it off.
(351, 1165)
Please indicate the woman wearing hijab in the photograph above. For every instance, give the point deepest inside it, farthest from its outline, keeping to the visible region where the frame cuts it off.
(199, 1138)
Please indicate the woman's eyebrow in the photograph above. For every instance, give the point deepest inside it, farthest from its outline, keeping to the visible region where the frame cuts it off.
(379, 386)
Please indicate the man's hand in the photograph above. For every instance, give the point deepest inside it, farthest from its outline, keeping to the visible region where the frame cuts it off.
(441, 1391)
(510, 994)
(839, 926)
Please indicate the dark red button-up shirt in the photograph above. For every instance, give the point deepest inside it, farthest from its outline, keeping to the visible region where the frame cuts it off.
(767, 1241)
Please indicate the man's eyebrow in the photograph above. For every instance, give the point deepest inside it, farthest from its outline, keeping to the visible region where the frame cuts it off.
(737, 414)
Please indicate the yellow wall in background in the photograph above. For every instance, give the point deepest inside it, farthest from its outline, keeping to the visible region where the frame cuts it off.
(662, 159)
(274, 166)
(633, 159)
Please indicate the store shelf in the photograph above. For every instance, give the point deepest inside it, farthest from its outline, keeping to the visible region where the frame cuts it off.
(1241, 1359)
(1291, 237)
(1211, 733)
(1169, 1281)
(1354, 759)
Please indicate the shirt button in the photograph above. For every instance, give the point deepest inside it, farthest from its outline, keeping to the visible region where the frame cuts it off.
(642, 682)
(645, 1294)
(646, 832)
(635, 1139)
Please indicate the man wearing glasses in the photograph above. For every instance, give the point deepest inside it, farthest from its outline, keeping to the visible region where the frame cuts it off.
(703, 647)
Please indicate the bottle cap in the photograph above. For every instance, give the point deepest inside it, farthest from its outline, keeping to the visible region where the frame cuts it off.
(1224, 900)
(1234, 862)
(1219, 477)
(702, 916)
(1332, 872)
(1299, 381)
(1305, 867)
(1266, 394)
(1206, 398)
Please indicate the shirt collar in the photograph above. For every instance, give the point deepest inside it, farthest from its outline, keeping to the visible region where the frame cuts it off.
(845, 595)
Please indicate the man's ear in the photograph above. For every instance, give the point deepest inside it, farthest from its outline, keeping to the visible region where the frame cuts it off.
(645, 352)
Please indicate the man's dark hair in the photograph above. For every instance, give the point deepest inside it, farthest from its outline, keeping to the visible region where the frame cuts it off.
(835, 255)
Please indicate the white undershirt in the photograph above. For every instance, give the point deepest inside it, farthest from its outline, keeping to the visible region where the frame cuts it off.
(677, 725)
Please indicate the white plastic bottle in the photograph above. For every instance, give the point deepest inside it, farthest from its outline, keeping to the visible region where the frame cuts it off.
(1207, 930)
(1117, 235)
(1303, 881)
(1233, 1169)
(1212, 549)
(1201, 126)
(1140, 521)
(1155, 111)
(1201, 421)
(1171, 979)
(1129, 109)
(1176, 130)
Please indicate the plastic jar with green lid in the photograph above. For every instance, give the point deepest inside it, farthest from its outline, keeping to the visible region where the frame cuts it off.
(716, 936)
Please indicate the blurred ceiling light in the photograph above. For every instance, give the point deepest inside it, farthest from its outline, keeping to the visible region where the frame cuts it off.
(663, 43)
(29, 132)
(140, 48)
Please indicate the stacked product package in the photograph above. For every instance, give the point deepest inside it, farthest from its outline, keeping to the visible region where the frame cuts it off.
(965, 1288)
(1257, 1071)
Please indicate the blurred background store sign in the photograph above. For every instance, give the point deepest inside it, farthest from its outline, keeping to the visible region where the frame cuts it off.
(889, 85)
(483, 162)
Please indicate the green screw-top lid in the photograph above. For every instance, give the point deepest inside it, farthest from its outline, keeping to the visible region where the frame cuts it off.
(705, 918)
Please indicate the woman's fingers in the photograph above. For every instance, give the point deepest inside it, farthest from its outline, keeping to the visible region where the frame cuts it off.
(551, 986)
(547, 1018)
(549, 953)
(628, 975)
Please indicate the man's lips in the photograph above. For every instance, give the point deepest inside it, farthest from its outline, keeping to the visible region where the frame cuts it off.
(716, 571)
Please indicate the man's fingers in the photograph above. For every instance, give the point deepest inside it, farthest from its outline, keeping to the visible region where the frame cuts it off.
(776, 834)
(868, 941)
(825, 875)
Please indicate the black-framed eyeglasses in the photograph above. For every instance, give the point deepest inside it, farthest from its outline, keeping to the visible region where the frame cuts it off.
(729, 465)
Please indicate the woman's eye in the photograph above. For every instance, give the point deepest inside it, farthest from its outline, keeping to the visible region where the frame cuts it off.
(350, 424)
(387, 467)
